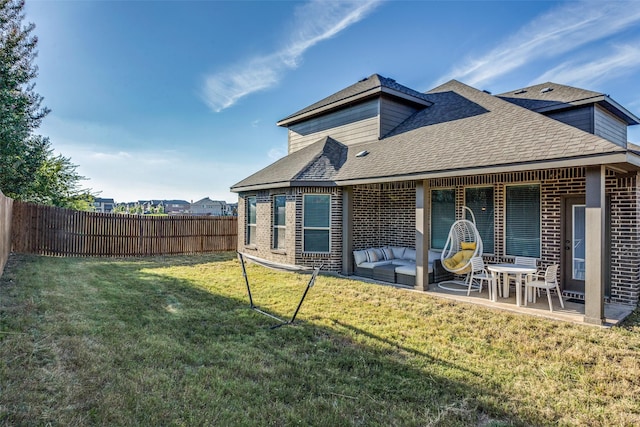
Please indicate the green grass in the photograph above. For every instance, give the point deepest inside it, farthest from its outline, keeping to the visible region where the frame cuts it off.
(171, 341)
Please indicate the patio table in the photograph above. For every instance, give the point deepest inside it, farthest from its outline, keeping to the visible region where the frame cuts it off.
(506, 269)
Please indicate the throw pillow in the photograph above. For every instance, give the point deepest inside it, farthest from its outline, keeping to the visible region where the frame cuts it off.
(372, 256)
(468, 245)
(388, 253)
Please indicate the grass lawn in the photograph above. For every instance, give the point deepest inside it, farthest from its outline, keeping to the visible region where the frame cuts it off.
(171, 341)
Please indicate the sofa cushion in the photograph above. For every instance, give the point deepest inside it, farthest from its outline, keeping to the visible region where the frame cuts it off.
(398, 251)
(409, 270)
(403, 262)
(458, 260)
(409, 254)
(359, 257)
(373, 264)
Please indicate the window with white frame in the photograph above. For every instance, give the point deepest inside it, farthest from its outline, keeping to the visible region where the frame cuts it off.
(480, 201)
(443, 215)
(279, 221)
(316, 221)
(251, 220)
(522, 220)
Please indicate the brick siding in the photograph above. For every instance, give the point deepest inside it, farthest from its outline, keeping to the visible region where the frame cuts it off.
(384, 214)
(292, 253)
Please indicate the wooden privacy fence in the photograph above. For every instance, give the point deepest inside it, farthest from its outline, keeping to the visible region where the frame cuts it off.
(47, 230)
(6, 205)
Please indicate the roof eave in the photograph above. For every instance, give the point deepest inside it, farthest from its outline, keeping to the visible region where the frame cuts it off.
(281, 184)
(608, 103)
(607, 158)
(623, 157)
(631, 118)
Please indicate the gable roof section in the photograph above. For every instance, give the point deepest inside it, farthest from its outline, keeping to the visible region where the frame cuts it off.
(476, 131)
(316, 164)
(366, 88)
(465, 131)
(549, 96)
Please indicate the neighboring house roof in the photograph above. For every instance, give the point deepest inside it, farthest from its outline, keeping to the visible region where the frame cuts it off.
(366, 88)
(464, 131)
(207, 200)
(549, 96)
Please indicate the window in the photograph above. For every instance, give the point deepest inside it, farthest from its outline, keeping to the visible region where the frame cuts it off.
(522, 226)
(443, 215)
(480, 201)
(251, 221)
(279, 221)
(316, 222)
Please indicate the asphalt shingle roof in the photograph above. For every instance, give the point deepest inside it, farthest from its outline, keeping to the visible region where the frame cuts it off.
(545, 95)
(464, 128)
(319, 162)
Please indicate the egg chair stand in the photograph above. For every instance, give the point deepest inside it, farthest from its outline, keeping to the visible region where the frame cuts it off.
(280, 267)
(463, 243)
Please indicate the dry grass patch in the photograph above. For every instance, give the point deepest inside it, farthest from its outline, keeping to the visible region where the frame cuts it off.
(171, 341)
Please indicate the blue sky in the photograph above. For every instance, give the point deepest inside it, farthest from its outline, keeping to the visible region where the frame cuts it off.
(179, 100)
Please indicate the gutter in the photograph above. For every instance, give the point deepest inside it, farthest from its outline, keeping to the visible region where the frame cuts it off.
(282, 184)
(600, 159)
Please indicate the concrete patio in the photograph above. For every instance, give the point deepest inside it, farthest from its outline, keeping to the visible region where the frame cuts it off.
(572, 312)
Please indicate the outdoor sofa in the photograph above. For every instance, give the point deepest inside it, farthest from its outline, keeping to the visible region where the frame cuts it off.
(396, 264)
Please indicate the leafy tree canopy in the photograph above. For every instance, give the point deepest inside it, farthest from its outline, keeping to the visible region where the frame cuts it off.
(29, 169)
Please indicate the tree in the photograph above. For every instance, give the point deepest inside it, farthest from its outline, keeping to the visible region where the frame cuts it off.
(29, 170)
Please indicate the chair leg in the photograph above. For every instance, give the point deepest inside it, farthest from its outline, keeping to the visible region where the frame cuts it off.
(549, 298)
(559, 296)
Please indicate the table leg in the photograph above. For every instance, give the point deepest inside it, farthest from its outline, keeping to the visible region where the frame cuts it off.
(494, 286)
(518, 289)
(505, 285)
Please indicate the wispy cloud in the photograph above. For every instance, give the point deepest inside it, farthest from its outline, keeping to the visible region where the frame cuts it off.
(623, 60)
(561, 30)
(314, 22)
(152, 173)
(276, 153)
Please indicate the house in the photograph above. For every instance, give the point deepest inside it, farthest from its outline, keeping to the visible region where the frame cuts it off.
(546, 169)
(103, 205)
(209, 207)
(176, 207)
(153, 206)
(232, 208)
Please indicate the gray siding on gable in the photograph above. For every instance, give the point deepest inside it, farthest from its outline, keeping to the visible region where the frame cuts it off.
(609, 127)
(581, 118)
(358, 123)
(393, 113)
